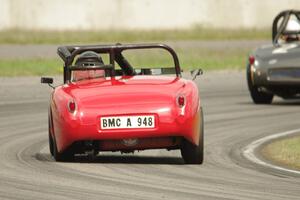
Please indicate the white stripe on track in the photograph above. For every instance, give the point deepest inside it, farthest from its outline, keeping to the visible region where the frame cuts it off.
(249, 151)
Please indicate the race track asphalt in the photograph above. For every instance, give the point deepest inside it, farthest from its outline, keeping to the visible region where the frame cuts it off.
(231, 122)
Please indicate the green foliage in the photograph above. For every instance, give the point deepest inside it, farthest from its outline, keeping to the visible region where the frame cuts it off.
(30, 67)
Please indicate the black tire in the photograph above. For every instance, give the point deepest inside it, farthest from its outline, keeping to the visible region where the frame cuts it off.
(51, 145)
(65, 156)
(257, 96)
(50, 138)
(191, 153)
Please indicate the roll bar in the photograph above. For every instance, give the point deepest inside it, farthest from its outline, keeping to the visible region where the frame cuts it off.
(278, 30)
(68, 54)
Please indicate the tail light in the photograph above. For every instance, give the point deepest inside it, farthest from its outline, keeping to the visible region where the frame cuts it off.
(251, 60)
(181, 101)
(71, 106)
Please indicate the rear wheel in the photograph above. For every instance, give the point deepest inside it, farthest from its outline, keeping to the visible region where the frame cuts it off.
(258, 97)
(51, 145)
(50, 137)
(191, 153)
(64, 156)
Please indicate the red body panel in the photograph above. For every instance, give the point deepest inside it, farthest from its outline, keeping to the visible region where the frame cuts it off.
(133, 95)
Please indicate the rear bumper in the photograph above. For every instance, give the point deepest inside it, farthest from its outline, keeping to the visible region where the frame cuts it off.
(180, 126)
(266, 77)
(139, 144)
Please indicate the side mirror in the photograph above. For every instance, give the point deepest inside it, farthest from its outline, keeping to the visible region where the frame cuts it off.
(195, 73)
(47, 80)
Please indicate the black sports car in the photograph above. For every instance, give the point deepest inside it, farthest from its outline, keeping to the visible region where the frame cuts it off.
(275, 69)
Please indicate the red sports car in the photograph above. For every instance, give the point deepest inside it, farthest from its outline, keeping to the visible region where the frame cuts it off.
(108, 104)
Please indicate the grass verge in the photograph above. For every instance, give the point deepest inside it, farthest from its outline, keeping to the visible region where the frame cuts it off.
(30, 67)
(284, 152)
(197, 33)
(189, 59)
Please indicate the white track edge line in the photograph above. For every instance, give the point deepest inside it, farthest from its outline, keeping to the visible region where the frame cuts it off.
(249, 150)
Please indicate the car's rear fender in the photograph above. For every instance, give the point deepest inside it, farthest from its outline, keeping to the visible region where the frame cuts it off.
(84, 123)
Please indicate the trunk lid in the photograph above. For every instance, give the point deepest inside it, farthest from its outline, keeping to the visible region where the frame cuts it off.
(125, 95)
(285, 55)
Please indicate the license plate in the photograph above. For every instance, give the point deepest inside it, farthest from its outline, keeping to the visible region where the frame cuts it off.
(125, 122)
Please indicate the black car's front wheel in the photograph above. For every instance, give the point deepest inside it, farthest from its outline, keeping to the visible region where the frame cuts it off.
(191, 153)
(258, 97)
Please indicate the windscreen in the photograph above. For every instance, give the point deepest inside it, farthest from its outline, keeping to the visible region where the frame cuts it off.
(152, 61)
